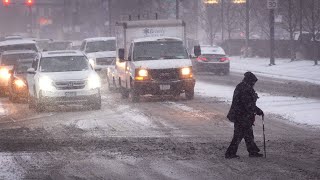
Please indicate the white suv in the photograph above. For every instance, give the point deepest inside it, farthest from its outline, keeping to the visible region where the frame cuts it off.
(63, 77)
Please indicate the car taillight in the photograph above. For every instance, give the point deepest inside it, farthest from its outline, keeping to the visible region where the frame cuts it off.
(224, 59)
(202, 59)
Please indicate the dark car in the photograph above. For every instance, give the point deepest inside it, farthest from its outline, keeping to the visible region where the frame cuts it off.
(212, 59)
(17, 85)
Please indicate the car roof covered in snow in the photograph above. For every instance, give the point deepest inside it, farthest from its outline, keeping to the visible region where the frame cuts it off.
(19, 52)
(212, 50)
(100, 39)
(151, 39)
(62, 53)
(151, 23)
(16, 42)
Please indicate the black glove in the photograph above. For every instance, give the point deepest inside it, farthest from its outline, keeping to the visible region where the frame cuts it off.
(260, 112)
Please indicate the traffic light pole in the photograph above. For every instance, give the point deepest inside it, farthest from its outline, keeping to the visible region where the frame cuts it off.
(272, 44)
(177, 9)
(247, 27)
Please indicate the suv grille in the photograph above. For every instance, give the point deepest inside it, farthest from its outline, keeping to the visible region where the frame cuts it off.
(104, 61)
(164, 74)
(66, 85)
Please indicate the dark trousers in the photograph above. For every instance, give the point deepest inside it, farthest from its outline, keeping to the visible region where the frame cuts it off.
(241, 132)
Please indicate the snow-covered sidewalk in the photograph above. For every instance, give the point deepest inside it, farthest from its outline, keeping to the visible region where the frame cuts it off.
(295, 109)
(300, 70)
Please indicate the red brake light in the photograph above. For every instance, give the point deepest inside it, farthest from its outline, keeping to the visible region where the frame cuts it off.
(202, 59)
(224, 59)
(6, 2)
(29, 2)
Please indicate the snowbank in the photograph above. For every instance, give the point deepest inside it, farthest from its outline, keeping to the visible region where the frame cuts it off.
(299, 110)
(300, 70)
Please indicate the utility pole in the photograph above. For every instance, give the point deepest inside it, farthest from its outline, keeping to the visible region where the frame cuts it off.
(300, 19)
(222, 20)
(110, 18)
(177, 9)
(247, 27)
(272, 5)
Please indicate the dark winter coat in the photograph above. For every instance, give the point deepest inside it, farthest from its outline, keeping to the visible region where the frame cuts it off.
(243, 108)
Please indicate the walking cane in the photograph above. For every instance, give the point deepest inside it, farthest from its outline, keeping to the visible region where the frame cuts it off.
(264, 138)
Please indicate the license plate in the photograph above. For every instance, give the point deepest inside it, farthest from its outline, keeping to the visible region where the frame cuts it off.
(71, 94)
(164, 87)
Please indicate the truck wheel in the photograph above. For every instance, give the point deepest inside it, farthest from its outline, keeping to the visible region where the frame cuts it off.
(189, 93)
(124, 93)
(135, 96)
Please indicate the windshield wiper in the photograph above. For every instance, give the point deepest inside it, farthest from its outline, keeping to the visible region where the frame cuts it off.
(172, 57)
(145, 58)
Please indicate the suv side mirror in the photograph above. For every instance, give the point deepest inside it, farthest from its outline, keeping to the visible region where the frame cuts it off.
(197, 51)
(31, 71)
(97, 68)
(121, 54)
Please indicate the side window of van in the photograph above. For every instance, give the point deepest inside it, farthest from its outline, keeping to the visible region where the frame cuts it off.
(130, 52)
(83, 45)
(35, 63)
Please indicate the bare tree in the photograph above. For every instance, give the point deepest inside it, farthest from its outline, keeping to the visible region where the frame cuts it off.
(290, 12)
(312, 23)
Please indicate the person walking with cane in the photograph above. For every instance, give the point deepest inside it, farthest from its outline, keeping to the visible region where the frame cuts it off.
(242, 113)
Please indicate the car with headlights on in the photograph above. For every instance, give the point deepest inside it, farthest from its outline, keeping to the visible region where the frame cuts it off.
(7, 60)
(63, 78)
(212, 59)
(17, 85)
(101, 51)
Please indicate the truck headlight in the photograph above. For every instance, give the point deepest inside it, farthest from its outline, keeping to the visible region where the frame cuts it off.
(143, 73)
(186, 72)
(46, 84)
(19, 83)
(94, 82)
(92, 62)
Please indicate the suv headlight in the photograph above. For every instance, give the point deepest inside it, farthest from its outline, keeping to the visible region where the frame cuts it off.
(46, 84)
(94, 82)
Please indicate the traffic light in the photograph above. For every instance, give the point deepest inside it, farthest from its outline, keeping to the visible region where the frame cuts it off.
(29, 2)
(6, 2)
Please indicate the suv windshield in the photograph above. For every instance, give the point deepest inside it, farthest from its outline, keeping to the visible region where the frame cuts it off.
(159, 50)
(22, 67)
(64, 64)
(11, 59)
(32, 47)
(99, 46)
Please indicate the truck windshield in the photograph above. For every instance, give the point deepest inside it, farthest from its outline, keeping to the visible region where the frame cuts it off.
(159, 50)
(64, 64)
(99, 46)
(11, 59)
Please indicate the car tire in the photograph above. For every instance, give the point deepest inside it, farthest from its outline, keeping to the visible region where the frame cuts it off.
(97, 105)
(40, 107)
(189, 93)
(31, 103)
(226, 72)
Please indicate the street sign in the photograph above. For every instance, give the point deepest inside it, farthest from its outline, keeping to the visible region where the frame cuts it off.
(272, 4)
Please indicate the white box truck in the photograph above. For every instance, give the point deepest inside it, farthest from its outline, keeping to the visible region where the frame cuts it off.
(154, 59)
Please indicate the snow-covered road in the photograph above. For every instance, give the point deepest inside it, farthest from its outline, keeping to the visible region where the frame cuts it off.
(159, 138)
